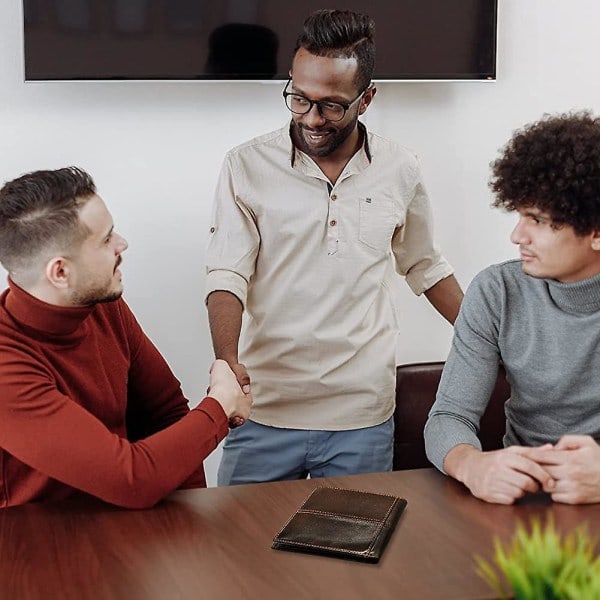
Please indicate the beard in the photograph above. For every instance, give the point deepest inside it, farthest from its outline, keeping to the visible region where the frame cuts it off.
(92, 292)
(336, 137)
(97, 295)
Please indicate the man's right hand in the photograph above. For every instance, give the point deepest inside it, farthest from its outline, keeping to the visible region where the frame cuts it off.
(499, 476)
(244, 380)
(242, 376)
(226, 389)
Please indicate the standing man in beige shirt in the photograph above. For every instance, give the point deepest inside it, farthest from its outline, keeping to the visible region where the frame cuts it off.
(311, 222)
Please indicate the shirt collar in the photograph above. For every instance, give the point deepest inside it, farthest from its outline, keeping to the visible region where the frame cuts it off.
(577, 296)
(44, 318)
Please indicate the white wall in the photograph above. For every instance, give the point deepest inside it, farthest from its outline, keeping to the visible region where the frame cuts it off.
(155, 149)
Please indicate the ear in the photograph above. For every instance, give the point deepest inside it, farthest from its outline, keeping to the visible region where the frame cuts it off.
(58, 272)
(595, 240)
(367, 99)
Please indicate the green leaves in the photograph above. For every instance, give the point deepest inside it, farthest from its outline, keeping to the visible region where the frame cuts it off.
(540, 564)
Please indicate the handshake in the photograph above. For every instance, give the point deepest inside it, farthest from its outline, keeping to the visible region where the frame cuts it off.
(231, 390)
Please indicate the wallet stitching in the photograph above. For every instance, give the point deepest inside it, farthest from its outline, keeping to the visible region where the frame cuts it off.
(312, 511)
(381, 522)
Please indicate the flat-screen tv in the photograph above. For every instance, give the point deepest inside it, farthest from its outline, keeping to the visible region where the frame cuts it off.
(247, 39)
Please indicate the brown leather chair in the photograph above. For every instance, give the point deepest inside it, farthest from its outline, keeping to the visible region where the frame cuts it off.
(416, 386)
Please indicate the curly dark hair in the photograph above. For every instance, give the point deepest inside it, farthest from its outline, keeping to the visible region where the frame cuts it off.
(553, 165)
(341, 34)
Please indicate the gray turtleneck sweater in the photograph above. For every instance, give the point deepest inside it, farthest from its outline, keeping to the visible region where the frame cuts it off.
(547, 334)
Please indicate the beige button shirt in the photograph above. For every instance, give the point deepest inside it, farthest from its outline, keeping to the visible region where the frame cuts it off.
(313, 263)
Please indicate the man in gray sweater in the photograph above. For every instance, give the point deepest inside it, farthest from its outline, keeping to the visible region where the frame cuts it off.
(540, 317)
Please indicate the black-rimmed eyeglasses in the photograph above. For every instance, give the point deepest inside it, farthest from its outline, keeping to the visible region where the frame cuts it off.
(331, 111)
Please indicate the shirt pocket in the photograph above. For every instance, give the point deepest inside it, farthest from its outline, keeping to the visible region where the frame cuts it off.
(376, 223)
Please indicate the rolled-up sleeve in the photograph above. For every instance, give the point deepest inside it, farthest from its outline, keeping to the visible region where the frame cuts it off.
(234, 239)
(416, 254)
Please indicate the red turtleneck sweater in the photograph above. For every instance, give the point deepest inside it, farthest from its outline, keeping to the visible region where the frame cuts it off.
(88, 403)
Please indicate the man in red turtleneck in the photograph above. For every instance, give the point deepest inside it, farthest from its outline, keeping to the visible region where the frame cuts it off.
(86, 401)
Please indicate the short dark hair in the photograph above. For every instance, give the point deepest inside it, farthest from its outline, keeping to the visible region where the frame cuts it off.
(553, 165)
(40, 210)
(341, 34)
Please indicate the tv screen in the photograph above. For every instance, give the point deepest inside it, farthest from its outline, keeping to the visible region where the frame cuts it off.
(246, 39)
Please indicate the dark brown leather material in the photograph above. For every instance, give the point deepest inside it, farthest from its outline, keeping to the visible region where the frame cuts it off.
(416, 386)
(342, 523)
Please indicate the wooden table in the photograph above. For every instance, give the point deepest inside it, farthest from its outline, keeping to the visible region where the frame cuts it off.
(215, 543)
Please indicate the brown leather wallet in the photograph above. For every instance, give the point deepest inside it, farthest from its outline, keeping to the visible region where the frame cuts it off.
(342, 523)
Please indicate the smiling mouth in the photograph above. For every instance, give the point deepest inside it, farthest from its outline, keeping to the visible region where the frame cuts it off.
(316, 135)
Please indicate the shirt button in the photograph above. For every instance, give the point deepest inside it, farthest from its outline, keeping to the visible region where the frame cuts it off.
(212, 229)
(333, 222)
(334, 197)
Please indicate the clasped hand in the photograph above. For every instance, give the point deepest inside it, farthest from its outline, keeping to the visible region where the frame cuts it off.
(569, 471)
(234, 396)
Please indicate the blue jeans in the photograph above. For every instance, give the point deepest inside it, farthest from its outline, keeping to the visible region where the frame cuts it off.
(253, 453)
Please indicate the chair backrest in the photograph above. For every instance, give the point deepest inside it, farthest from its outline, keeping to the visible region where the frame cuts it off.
(416, 386)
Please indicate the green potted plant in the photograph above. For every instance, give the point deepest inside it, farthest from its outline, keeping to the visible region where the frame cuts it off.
(540, 564)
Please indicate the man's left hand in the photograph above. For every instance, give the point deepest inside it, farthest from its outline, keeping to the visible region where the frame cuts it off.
(574, 464)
